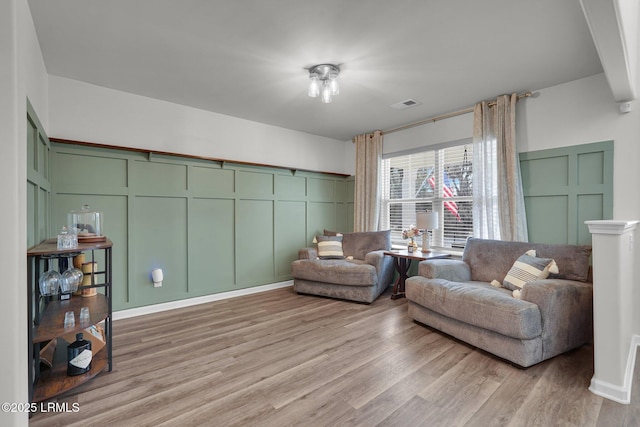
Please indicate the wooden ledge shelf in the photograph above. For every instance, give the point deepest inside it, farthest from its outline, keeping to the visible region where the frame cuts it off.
(150, 153)
(49, 247)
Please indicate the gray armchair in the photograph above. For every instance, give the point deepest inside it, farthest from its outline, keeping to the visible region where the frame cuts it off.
(362, 276)
(554, 315)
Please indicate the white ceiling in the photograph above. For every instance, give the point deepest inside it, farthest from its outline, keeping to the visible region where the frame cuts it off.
(247, 58)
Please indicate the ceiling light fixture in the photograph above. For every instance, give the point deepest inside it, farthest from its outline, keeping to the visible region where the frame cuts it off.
(323, 80)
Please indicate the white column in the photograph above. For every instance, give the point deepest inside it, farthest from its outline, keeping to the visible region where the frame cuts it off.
(613, 263)
(13, 308)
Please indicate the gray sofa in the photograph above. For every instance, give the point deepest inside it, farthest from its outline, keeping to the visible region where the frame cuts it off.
(554, 315)
(361, 279)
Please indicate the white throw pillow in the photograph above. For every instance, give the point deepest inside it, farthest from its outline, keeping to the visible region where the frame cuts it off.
(527, 269)
(330, 247)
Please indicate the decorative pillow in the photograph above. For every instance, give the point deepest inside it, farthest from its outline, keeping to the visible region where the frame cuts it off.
(358, 244)
(528, 268)
(330, 247)
(327, 233)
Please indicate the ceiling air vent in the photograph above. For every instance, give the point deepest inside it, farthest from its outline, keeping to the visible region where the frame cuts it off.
(407, 103)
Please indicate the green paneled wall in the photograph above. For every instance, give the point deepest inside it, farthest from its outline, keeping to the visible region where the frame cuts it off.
(38, 180)
(153, 178)
(211, 227)
(254, 242)
(87, 166)
(114, 208)
(290, 233)
(217, 258)
(159, 239)
(565, 187)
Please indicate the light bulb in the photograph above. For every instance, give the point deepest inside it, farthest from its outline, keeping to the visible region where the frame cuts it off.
(314, 86)
(326, 94)
(333, 84)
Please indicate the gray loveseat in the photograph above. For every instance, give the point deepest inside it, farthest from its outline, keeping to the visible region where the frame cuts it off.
(361, 279)
(554, 315)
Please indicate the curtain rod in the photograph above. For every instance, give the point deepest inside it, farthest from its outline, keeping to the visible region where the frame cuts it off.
(444, 116)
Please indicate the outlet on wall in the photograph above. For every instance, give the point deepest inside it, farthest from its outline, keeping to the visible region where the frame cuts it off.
(157, 276)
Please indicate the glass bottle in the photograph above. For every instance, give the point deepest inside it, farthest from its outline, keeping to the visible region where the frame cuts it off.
(79, 356)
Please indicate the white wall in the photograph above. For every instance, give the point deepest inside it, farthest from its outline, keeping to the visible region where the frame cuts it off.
(578, 112)
(581, 112)
(85, 112)
(453, 129)
(32, 68)
(22, 75)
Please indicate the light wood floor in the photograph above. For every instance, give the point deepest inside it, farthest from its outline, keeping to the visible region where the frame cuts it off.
(279, 359)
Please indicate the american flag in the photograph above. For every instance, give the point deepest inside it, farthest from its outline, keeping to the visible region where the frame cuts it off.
(448, 191)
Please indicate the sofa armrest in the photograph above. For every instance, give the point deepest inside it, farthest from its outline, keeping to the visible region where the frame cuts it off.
(383, 264)
(566, 309)
(454, 270)
(307, 253)
(375, 258)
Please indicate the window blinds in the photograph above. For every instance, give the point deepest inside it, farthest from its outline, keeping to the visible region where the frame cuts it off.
(439, 180)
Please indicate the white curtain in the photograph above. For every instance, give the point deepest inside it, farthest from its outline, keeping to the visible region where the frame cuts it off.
(498, 200)
(367, 191)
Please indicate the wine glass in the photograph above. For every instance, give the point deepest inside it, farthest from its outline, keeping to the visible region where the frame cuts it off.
(49, 281)
(70, 279)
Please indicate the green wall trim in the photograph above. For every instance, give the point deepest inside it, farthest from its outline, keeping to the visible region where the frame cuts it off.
(563, 187)
(211, 226)
(38, 180)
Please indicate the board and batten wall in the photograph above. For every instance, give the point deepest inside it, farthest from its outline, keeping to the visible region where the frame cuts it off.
(38, 180)
(211, 226)
(563, 188)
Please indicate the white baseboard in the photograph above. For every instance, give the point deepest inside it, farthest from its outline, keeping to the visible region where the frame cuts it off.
(620, 394)
(156, 308)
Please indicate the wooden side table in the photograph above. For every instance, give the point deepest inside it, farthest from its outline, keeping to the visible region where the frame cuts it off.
(402, 261)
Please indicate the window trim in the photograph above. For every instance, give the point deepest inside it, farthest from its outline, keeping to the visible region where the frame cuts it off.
(437, 201)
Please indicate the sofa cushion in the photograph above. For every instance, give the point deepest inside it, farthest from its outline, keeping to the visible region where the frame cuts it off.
(492, 259)
(335, 271)
(479, 304)
(359, 244)
(527, 268)
(330, 247)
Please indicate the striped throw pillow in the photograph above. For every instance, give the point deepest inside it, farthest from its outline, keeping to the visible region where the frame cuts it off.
(527, 269)
(330, 247)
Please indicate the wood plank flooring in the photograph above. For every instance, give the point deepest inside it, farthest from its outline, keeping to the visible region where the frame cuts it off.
(281, 359)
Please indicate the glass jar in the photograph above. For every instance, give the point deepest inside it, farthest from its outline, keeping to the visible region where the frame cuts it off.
(87, 224)
(67, 240)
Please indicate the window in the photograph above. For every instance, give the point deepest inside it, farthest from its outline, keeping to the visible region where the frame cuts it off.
(437, 180)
